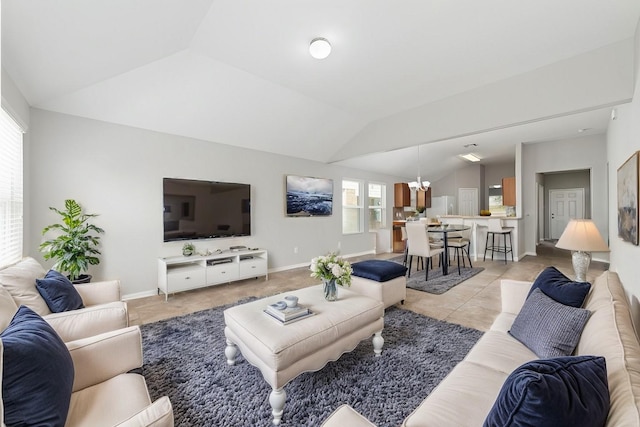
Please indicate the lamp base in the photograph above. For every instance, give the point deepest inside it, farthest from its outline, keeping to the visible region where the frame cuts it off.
(581, 261)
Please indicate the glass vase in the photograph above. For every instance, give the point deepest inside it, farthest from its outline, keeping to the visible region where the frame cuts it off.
(330, 290)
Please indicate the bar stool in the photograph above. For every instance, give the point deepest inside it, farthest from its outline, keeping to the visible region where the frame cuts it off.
(495, 227)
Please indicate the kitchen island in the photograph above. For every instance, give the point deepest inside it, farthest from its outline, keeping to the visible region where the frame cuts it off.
(479, 225)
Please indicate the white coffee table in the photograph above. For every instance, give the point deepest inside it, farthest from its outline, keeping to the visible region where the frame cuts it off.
(282, 352)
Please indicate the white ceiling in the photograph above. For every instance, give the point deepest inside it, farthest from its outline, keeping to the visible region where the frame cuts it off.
(238, 72)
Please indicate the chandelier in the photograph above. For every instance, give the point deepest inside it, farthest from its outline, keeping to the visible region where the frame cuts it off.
(419, 184)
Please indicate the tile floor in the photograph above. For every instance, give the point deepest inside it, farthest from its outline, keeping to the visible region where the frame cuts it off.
(473, 303)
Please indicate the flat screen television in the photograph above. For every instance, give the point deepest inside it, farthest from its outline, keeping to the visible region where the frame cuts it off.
(195, 209)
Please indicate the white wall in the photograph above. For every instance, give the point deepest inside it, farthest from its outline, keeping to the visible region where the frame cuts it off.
(116, 171)
(584, 82)
(493, 174)
(623, 139)
(589, 152)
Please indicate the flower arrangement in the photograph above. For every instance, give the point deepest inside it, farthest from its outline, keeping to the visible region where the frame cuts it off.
(331, 266)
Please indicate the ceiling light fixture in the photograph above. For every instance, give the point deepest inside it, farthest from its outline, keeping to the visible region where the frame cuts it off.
(320, 48)
(419, 184)
(470, 157)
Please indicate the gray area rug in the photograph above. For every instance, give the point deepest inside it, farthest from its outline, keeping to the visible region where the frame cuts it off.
(437, 283)
(184, 359)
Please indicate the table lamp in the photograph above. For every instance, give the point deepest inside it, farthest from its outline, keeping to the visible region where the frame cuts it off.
(582, 237)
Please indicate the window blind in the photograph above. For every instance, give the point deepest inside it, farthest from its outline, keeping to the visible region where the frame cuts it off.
(11, 199)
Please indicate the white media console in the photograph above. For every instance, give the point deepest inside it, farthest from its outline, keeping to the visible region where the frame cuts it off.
(182, 273)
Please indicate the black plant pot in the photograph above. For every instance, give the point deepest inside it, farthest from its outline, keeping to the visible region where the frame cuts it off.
(83, 278)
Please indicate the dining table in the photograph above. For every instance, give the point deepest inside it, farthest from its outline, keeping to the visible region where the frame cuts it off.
(445, 229)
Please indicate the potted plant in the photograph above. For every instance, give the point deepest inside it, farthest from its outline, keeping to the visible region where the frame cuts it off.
(188, 249)
(75, 247)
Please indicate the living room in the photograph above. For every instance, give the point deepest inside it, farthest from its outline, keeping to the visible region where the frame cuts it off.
(114, 165)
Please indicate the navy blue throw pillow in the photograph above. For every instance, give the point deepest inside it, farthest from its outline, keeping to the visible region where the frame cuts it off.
(37, 372)
(565, 391)
(556, 285)
(58, 292)
(378, 270)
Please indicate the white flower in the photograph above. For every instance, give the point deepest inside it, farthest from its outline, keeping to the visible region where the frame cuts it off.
(336, 270)
(331, 267)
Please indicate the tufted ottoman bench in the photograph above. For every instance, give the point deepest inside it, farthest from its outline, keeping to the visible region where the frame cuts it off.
(381, 280)
(282, 352)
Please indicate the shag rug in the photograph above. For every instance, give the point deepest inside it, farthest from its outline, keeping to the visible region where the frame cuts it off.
(184, 359)
(437, 283)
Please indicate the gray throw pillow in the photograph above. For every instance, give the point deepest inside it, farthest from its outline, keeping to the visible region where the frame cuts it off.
(548, 328)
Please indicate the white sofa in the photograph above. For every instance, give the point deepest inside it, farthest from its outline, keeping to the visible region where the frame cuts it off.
(104, 311)
(105, 392)
(467, 394)
(102, 348)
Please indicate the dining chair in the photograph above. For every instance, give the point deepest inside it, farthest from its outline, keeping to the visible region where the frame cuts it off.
(403, 231)
(461, 246)
(418, 245)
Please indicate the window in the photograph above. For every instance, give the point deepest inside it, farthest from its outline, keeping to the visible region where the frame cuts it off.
(377, 206)
(352, 210)
(10, 190)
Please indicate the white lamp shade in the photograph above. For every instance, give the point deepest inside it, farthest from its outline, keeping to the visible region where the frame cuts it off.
(582, 235)
(320, 48)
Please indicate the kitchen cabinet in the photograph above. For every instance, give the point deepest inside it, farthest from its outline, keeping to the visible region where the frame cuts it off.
(423, 198)
(402, 195)
(509, 191)
(398, 243)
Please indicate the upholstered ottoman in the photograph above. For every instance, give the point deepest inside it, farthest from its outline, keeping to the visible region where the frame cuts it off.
(381, 280)
(283, 351)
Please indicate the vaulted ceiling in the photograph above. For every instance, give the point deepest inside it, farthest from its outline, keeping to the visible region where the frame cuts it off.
(443, 74)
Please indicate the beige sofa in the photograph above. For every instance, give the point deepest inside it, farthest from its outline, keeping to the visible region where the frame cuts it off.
(103, 309)
(105, 393)
(102, 347)
(467, 394)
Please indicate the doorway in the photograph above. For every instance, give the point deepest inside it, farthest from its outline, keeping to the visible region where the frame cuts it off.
(564, 205)
(468, 205)
(561, 181)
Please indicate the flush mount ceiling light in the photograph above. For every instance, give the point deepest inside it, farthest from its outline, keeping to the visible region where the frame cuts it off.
(320, 48)
(419, 184)
(470, 157)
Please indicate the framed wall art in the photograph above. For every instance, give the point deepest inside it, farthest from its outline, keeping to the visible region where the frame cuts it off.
(308, 196)
(628, 199)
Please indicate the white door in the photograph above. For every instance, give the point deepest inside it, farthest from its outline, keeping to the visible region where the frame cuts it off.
(563, 206)
(468, 205)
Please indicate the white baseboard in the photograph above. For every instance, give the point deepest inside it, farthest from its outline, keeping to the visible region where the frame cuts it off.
(306, 264)
(140, 295)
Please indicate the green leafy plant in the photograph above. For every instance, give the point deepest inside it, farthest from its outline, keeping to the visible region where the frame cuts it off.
(188, 249)
(75, 247)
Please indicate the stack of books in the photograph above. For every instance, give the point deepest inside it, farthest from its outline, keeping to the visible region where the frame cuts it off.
(288, 314)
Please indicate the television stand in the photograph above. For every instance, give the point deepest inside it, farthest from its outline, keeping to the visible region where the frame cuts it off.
(180, 273)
